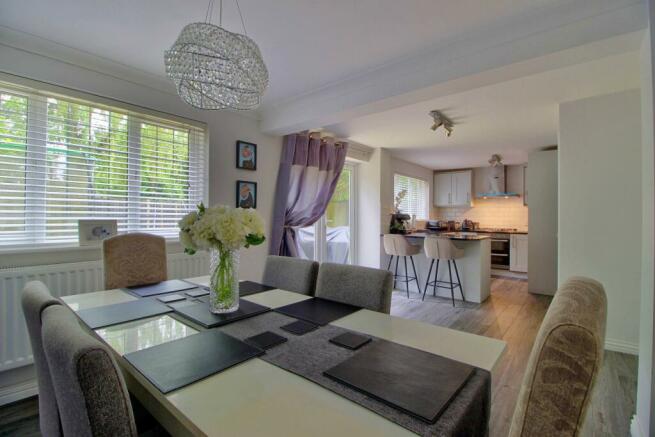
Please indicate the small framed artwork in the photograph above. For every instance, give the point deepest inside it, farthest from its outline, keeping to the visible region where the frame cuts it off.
(92, 232)
(246, 194)
(246, 155)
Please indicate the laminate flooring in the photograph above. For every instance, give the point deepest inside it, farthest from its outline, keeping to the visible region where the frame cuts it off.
(514, 315)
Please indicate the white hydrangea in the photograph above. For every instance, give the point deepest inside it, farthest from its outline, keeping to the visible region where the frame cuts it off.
(219, 226)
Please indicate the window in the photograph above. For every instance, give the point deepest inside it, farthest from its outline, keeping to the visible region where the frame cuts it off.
(332, 238)
(62, 159)
(415, 201)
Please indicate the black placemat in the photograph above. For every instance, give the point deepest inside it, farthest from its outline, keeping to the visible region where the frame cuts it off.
(247, 288)
(178, 363)
(199, 312)
(163, 287)
(107, 315)
(311, 354)
(318, 311)
(417, 382)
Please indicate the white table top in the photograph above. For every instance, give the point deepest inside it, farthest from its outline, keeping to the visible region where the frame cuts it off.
(258, 398)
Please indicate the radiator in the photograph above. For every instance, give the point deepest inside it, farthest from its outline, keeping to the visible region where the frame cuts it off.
(62, 280)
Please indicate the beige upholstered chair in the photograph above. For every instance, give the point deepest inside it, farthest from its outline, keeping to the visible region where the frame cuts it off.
(438, 249)
(134, 259)
(565, 360)
(398, 246)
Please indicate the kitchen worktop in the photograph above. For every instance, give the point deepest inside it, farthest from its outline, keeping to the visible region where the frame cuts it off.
(465, 236)
(462, 236)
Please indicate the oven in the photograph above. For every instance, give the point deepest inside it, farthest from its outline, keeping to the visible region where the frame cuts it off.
(500, 251)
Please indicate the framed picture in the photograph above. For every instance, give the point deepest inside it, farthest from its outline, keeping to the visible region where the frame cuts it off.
(246, 155)
(92, 232)
(246, 194)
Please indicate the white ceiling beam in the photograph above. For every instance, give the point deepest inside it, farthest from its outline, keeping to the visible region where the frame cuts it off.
(536, 44)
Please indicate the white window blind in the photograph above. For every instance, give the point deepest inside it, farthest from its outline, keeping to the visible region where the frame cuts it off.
(416, 199)
(63, 159)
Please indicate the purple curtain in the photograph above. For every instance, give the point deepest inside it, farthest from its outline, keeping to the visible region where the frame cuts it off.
(309, 170)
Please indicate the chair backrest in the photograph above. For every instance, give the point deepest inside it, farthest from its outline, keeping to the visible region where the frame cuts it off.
(291, 274)
(134, 259)
(440, 248)
(35, 299)
(91, 393)
(361, 286)
(397, 245)
(564, 363)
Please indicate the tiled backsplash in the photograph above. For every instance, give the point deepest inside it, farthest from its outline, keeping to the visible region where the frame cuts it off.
(490, 213)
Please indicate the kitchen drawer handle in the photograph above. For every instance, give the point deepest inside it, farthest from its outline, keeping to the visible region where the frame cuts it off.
(499, 241)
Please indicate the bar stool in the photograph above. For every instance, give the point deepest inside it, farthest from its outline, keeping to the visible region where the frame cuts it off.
(441, 248)
(398, 246)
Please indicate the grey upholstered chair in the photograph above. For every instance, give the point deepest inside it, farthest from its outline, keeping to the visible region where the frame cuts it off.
(91, 393)
(361, 286)
(291, 274)
(564, 363)
(34, 299)
(134, 259)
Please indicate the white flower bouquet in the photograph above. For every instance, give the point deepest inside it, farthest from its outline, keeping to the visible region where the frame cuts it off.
(223, 231)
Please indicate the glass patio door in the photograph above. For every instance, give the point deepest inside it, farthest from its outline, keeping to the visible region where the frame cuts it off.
(332, 237)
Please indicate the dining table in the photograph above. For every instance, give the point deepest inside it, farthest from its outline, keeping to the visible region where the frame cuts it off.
(256, 397)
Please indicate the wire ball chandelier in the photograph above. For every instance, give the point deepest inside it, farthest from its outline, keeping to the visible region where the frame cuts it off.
(213, 68)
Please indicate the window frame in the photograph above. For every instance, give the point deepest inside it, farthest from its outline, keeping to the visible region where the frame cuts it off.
(37, 94)
(427, 193)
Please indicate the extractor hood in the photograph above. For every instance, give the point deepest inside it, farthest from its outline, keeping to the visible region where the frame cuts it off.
(494, 180)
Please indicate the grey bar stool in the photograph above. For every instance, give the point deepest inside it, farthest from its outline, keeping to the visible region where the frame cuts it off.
(437, 249)
(398, 246)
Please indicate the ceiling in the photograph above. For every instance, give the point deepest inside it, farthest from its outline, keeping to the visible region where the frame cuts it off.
(307, 44)
(510, 118)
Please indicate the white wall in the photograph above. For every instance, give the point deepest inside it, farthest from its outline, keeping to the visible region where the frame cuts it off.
(644, 424)
(599, 216)
(225, 128)
(368, 211)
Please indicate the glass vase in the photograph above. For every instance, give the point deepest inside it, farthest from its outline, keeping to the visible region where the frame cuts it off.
(224, 281)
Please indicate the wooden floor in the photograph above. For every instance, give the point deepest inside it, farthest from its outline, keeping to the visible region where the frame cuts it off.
(511, 314)
(514, 315)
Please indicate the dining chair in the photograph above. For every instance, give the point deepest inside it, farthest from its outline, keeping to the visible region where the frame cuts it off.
(291, 274)
(399, 246)
(442, 249)
(91, 393)
(564, 363)
(134, 259)
(361, 286)
(35, 298)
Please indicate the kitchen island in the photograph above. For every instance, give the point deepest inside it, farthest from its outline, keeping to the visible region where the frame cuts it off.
(474, 267)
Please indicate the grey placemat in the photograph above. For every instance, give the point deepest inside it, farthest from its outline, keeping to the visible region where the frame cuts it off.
(311, 354)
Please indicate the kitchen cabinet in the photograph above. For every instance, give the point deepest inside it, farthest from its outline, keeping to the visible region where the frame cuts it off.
(453, 188)
(518, 253)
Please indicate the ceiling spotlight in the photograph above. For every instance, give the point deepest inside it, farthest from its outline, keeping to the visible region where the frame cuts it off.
(441, 120)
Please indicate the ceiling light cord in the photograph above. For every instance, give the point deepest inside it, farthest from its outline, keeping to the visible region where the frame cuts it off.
(210, 13)
(243, 24)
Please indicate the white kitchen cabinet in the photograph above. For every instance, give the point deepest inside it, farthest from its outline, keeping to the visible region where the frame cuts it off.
(462, 188)
(442, 189)
(453, 188)
(518, 253)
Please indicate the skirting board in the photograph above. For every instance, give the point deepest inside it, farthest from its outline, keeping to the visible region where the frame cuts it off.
(621, 346)
(17, 392)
